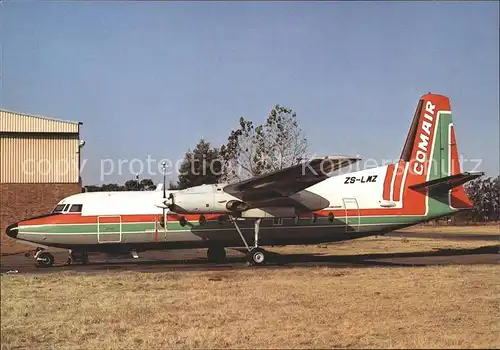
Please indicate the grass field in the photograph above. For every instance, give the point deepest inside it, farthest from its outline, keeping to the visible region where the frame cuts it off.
(382, 244)
(493, 229)
(403, 307)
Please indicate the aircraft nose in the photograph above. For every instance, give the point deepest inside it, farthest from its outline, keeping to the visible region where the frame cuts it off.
(11, 230)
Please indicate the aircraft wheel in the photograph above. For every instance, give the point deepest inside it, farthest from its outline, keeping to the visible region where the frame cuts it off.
(45, 259)
(216, 254)
(257, 256)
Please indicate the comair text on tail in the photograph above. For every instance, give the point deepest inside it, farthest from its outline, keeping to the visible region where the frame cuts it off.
(431, 153)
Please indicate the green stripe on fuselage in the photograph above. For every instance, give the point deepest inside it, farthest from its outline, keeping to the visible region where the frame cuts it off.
(215, 225)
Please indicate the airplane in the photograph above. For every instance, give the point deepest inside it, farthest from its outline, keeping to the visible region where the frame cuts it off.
(302, 204)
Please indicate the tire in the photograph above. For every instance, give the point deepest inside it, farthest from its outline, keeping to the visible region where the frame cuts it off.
(257, 256)
(216, 254)
(45, 259)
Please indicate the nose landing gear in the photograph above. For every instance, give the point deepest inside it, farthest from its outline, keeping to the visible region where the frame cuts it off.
(44, 259)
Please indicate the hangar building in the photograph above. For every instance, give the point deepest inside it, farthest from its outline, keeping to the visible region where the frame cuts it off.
(39, 165)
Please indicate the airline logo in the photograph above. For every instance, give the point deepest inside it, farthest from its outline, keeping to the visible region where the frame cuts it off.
(422, 154)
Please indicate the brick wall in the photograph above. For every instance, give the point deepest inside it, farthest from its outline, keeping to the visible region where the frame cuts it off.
(22, 200)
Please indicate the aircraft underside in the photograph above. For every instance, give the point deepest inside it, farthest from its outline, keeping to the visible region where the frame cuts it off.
(216, 240)
(264, 240)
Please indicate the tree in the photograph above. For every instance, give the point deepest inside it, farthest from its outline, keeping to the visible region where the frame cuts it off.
(201, 166)
(485, 195)
(104, 188)
(147, 185)
(173, 185)
(130, 185)
(257, 150)
(143, 185)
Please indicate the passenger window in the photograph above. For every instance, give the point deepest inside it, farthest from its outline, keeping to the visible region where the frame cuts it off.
(59, 208)
(76, 208)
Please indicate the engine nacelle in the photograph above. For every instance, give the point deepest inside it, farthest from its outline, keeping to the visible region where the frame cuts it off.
(208, 199)
(236, 205)
(211, 199)
(310, 200)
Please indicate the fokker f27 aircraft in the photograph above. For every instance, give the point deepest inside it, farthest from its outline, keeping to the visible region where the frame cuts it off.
(297, 205)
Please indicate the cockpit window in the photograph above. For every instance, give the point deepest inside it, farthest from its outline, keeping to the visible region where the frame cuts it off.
(59, 208)
(66, 207)
(76, 208)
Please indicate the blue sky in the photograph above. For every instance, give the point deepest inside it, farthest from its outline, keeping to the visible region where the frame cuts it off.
(153, 78)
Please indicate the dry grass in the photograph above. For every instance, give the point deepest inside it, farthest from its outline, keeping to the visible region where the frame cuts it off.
(427, 307)
(381, 244)
(493, 229)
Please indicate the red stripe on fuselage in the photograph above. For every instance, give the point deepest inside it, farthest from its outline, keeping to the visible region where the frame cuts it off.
(400, 170)
(387, 182)
(153, 218)
(77, 218)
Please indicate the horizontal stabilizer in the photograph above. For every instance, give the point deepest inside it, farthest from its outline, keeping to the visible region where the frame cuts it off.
(445, 184)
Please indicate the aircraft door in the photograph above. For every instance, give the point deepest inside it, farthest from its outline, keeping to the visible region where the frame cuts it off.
(351, 214)
(109, 229)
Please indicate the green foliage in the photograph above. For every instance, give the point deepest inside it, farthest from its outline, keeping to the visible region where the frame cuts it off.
(104, 188)
(485, 195)
(130, 185)
(200, 166)
(173, 186)
(147, 185)
(256, 150)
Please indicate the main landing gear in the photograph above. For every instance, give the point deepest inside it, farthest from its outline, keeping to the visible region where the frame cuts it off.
(255, 254)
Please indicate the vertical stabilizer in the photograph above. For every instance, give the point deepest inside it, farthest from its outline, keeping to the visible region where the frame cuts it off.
(430, 149)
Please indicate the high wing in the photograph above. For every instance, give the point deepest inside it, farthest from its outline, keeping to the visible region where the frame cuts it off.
(276, 187)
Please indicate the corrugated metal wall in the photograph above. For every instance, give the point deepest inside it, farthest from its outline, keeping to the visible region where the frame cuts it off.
(16, 122)
(39, 159)
(38, 150)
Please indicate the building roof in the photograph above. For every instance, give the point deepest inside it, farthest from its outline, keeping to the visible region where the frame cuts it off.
(11, 121)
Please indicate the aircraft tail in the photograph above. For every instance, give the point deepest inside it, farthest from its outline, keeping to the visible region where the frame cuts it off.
(431, 152)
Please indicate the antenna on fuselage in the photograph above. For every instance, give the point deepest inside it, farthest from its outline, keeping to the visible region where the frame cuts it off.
(164, 218)
(163, 168)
